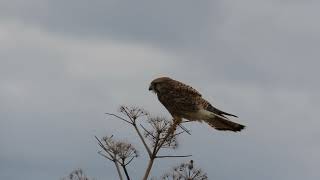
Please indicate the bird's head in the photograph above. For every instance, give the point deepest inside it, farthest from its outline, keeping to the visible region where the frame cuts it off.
(157, 85)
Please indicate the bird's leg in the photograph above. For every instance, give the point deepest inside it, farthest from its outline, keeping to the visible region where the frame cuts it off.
(176, 122)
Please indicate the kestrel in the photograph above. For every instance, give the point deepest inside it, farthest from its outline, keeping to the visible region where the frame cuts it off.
(182, 101)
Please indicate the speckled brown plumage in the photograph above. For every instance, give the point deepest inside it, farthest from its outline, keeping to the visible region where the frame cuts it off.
(183, 101)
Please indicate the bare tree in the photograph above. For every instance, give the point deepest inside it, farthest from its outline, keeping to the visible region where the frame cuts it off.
(159, 133)
(155, 133)
(77, 174)
(185, 171)
(118, 152)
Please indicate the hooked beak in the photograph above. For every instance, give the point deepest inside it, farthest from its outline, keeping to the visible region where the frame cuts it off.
(150, 88)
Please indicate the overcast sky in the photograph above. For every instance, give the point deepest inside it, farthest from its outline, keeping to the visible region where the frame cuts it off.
(63, 64)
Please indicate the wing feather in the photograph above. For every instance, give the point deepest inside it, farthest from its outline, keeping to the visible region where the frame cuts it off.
(179, 98)
(183, 88)
(224, 124)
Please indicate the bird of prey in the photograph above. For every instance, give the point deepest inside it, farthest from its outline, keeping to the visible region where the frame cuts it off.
(182, 101)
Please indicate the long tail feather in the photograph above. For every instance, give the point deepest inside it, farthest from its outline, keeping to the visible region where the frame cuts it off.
(223, 124)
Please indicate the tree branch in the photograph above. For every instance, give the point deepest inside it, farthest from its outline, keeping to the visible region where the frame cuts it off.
(145, 177)
(135, 127)
(143, 140)
(171, 130)
(125, 172)
(104, 148)
(113, 158)
(118, 169)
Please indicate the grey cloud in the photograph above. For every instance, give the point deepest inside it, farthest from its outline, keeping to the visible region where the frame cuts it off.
(257, 59)
(273, 45)
(280, 36)
(165, 23)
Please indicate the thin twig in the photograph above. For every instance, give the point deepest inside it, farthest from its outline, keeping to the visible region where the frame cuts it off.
(129, 161)
(173, 156)
(103, 147)
(147, 131)
(135, 127)
(185, 129)
(128, 114)
(176, 134)
(119, 117)
(103, 155)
